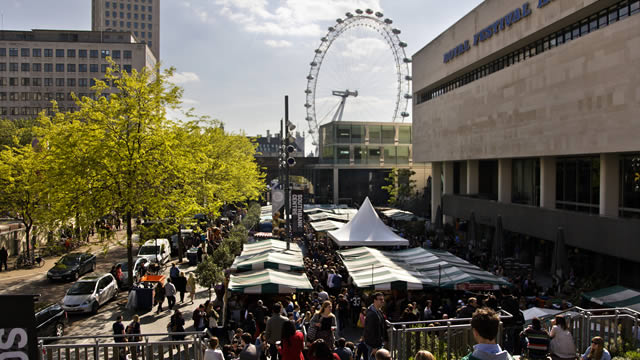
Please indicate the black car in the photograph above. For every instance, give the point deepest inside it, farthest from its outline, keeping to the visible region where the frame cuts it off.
(50, 320)
(72, 266)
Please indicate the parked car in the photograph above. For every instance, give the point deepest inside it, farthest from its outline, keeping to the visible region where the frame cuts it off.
(139, 268)
(89, 293)
(72, 266)
(51, 320)
(156, 250)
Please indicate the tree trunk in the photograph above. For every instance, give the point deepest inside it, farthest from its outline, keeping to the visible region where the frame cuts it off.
(180, 244)
(27, 231)
(129, 249)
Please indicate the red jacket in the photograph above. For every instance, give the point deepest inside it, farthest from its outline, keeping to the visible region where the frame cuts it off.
(292, 350)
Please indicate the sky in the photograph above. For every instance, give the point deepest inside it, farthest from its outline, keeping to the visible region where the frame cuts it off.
(237, 59)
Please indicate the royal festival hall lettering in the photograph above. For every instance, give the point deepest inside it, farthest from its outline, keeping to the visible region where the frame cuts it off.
(486, 33)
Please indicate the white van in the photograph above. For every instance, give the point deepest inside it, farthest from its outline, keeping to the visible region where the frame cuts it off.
(156, 250)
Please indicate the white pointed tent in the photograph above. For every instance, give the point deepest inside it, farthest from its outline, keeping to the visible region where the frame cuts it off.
(366, 229)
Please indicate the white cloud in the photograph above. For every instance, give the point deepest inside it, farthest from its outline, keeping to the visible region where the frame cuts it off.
(278, 43)
(290, 17)
(184, 77)
(198, 11)
(187, 101)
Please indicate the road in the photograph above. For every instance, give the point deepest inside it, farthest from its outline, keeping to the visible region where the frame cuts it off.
(34, 281)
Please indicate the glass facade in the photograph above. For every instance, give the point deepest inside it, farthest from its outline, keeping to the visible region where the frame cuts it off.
(525, 181)
(374, 134)
(630, 186)
(578, 184)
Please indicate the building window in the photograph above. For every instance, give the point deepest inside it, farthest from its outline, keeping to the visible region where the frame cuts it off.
(121, 15)
(103, 68)
(36, 67)
(142, 7)
(24, 67)
(48, 81)
(121, 6)
(36, 82)
(127, 68)
(578, 184)
(105, 53)
(374, 134)
(82, 53)
(149, 26)
(93, 54)
(129, 24)
(135, 33)
(630, 186)
(3, 81)
(59, 67)
(3, 96)
(71, 53)
(82, 67)
(48, 52)
(143, 25)
(127, 54)
(93, 67)
(59, 96)
(115, 54)
(3, 66)
(135, 25)
(107, 13)
(525, 183)
(142, 34)
(25, 81)
(82, 82)
(71, 82)
(60, 82)
(71, 67)
(128, 15)
(24, 52)
(13, 96)
(143, 16)
(36, 52)
(3, 51)
(373, 155)
(13, 66)
(388, 134)
(13, 52)
(48, 67)
(13, 81)
(59, 52)
(106, 22)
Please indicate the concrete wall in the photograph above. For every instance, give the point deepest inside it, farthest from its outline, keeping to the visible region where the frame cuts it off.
(580, 98)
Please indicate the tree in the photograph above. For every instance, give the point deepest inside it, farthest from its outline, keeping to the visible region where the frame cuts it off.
(16, 133)
(21, 186)
(209, 273)
(400, 186)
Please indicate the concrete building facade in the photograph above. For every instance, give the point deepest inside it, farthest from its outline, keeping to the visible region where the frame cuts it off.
(529, 110)
(42, 65)
(140, 17)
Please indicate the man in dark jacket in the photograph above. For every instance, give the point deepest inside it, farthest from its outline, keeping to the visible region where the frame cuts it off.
(4, 255)
(374, 325)
(468, 310)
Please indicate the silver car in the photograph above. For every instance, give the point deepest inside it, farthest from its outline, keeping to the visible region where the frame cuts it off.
(89, 293)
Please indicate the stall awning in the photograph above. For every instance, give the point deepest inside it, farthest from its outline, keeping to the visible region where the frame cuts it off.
(268, 245)
(330, 216)
(615, 296)
(285, 260)
(401, 215)
(326, 225)
(430, 267)
(268, 281)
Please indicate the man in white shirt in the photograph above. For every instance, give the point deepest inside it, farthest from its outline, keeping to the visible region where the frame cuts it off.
(170, 293)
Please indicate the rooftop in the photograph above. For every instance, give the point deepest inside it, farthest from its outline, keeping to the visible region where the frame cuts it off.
(69, 36)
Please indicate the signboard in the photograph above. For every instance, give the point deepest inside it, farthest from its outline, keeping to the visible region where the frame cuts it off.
(277, 212)
(18, 336)
(476, 287)
(297, 213)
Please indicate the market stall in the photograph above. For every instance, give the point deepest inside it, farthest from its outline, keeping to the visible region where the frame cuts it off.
(268, 245)
(615, 296)
(269, 281)
(269, 260)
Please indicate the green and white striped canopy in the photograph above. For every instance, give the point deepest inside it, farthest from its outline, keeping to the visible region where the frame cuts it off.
(416, 266)
(268, 245)
(268, 281)
(284, 260)
(615, 296)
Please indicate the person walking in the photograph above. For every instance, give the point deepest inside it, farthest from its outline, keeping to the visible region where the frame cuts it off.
(326, 324)
(118, 329)
(273, 331)
(199, 317)
(212, 352)
(174, 272)
(170, 293)
(181, 285)
(249, 351)
(484, 326)
(176, 325)
(191, 287)
(374, 326)
(596, 350)
(292, 342)
(4, 255)
(561, 346)
(159, 296)
(134, 329)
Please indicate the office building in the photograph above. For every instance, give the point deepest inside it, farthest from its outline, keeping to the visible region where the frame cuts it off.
(530, 111)
(140, 17)
(42, 65)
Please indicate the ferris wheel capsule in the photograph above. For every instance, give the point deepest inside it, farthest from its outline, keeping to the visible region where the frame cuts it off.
(369, 11)
(404, 114)
(379, 14)
(307, 91)
(349, 15)
(358, 11)
(396, 31)
(402, 44)
(406, 60)
(332, 29)
(318, 51)
(388, 21)
(339, 21)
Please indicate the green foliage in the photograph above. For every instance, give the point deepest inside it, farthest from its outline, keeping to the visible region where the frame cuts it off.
(208, 273)
(400, 186)
(16, 133)
(253, 216)
(158, 230)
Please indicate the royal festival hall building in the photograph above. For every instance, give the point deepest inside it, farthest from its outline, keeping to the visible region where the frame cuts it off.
(531, 111)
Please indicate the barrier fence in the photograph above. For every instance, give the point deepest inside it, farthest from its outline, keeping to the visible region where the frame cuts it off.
(105, 347)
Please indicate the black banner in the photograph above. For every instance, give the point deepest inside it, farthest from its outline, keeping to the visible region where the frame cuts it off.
(18, 336)
(297, 213)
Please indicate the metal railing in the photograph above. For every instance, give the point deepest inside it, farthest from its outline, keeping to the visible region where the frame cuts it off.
(445, 339)
(452, 338)
(105, 347)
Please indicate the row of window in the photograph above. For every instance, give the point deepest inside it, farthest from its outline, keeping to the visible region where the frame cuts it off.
(620, 11)
(71, 53)
(33, 111)
(135, 7)
(129, 16)
(82, 82)
(38, 96)
(49, 67)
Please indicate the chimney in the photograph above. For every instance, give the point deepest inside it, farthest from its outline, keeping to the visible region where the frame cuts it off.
(268, 136)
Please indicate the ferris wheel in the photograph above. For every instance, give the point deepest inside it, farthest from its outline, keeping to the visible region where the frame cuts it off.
(359, 70)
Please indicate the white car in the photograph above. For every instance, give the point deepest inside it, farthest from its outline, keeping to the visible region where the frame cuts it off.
(89, 293)
(156, 251)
